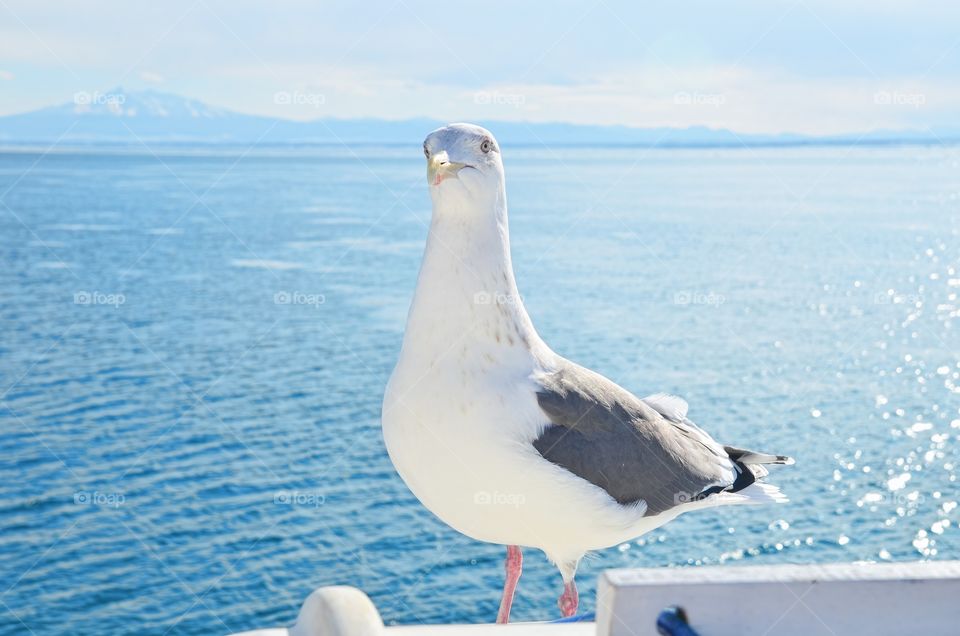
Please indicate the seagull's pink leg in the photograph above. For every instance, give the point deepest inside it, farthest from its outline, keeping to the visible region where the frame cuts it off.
(569, 599)
(514, 564)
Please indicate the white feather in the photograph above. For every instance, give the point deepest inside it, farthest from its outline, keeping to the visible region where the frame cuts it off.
(671, 407)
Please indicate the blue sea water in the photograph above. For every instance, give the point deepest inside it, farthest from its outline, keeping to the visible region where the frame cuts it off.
(195, 344)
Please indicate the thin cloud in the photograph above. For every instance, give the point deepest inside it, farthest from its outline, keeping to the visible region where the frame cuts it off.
(815, 66)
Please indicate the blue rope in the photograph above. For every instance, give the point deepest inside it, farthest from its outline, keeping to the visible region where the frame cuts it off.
(673, 622)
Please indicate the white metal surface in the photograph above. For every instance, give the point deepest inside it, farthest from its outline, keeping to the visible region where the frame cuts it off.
(894, 599)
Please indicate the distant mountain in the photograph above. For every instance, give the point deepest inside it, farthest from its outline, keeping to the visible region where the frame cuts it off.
(119, 116)
(125, 116)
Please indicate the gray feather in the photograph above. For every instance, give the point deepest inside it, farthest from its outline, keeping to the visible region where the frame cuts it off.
(609, 437)
(636, 449)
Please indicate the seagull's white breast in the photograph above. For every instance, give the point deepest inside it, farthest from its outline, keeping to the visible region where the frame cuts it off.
(460, 415)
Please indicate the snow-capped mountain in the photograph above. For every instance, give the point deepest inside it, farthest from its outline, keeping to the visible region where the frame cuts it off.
(118, 115)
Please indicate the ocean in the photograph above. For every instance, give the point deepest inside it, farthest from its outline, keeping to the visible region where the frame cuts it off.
(196, 342)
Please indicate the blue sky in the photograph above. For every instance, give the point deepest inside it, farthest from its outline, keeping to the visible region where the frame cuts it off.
(807, 66)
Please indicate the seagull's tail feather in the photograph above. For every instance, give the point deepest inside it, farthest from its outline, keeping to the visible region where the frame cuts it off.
(751, 467)
(756, 493)
(746, 487)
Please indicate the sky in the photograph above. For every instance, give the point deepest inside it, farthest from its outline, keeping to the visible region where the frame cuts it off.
(806, 66)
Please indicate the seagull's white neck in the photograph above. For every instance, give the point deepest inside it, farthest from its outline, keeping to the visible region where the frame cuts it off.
(466, 302)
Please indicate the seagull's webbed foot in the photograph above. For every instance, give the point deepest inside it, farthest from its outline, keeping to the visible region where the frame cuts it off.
(569, 600)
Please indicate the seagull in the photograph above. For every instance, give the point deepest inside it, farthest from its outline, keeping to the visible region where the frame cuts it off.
(510, 443)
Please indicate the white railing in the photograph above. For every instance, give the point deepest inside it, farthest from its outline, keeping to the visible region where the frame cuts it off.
(875, 599)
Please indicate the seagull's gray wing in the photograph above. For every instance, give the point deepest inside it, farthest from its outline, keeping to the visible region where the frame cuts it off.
(634, 449)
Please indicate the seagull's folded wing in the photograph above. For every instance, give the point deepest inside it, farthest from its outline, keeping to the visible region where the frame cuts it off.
(634, 449)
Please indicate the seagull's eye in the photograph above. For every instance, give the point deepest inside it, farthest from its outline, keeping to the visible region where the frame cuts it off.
(486, 146)
(426, 153)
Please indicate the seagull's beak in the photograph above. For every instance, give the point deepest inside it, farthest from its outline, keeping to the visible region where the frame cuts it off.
(439, 167)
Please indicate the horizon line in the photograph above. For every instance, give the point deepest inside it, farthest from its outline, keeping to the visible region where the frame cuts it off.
(924, 136)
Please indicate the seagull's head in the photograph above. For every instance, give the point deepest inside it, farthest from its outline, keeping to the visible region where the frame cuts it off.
(464, 161)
